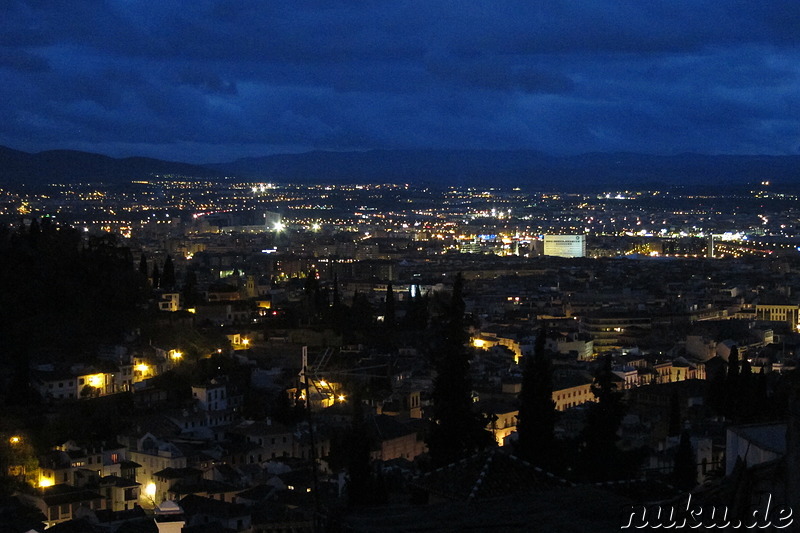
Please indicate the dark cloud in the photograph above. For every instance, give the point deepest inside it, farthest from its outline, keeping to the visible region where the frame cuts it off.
(22, 61)
(217, 79)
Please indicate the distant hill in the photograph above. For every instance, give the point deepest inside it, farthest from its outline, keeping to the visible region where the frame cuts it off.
(516, 168)
(69, 166)
(524, 168)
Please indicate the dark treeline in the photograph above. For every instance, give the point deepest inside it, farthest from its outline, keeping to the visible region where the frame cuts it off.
(63, 294)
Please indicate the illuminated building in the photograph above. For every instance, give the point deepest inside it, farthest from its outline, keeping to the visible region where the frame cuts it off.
(565, 245)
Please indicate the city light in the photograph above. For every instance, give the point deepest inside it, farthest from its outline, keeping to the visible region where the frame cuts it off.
(45, 482)
(15, 439)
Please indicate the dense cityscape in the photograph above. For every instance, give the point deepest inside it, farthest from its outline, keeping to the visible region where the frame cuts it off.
(276, 357)
(419, 266)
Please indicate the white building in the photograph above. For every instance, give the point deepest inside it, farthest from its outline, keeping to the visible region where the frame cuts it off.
(211, 396)
(565, 245)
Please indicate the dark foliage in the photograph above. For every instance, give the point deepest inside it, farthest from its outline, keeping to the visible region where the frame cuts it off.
(62, 296)
(360, 482)
(455, 431)
(600, 459)
(537, 410)
(168, 274)
(685, 472)
(389, 317)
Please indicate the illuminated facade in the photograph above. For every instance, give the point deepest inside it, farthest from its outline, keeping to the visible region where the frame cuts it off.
(565, 245)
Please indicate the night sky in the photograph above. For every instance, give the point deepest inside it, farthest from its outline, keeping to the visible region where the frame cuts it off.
(212, 81)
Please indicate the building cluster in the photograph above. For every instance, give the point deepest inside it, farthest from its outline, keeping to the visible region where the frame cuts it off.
(669, 315)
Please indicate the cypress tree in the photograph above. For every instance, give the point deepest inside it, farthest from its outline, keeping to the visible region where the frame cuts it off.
(747, 392)
(455, 431)
(733, 364)
(143, 266)
(537, 410)
(168, 274)
(717, 387)
(190, 296)
(337, 301)
(156, 277)
(732, 405)
(389, 315)
(360, 482)
(685, 470)
(600, 457)
(33, 233)
(416, 310)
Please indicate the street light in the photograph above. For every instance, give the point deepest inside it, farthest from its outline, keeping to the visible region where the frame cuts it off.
(15, 439)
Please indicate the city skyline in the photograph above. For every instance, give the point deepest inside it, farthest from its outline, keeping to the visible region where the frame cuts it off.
(216, 81)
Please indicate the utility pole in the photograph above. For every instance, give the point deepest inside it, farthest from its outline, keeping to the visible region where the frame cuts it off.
(313, 455)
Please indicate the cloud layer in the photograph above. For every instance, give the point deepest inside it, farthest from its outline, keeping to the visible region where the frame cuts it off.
(213, 80)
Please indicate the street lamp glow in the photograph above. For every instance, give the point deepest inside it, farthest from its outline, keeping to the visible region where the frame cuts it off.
(279, 226)
(15, 439)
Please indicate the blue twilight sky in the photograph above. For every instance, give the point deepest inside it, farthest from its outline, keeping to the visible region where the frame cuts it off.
(214, 80)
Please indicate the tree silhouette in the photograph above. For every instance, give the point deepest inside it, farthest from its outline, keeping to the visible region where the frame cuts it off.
(191, 297)
(168, 274)
(455, 430)
(360, 482)
(733, 394)
(684, 473)
(600, 459)
(389, 315)
(143, 266)
(85, 289)
(537, 410)
(156, 277)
